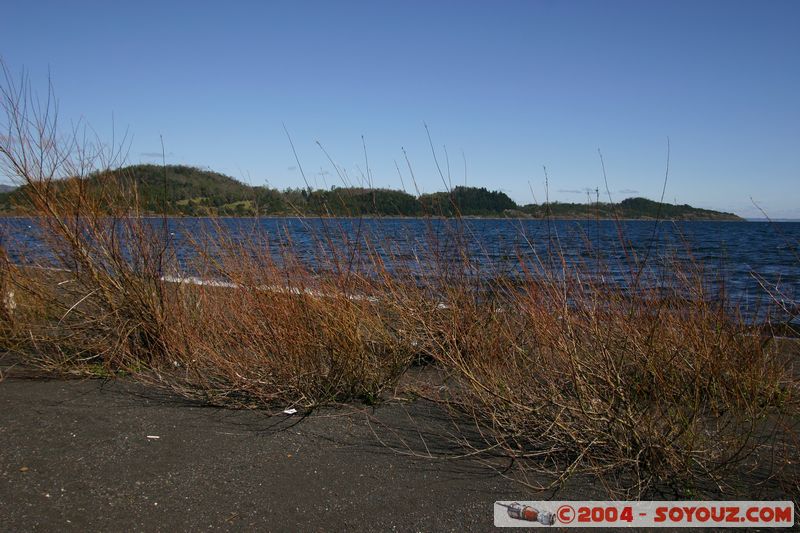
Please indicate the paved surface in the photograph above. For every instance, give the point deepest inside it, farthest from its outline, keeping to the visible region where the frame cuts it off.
(75, 455)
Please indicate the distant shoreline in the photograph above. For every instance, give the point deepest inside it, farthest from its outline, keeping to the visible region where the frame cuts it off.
(439, 217)
(186, 191)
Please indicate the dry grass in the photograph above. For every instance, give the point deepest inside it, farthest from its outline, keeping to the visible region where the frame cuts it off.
(557, 369)
(631, 388)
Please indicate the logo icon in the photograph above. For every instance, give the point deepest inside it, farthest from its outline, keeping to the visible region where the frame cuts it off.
(517, 511)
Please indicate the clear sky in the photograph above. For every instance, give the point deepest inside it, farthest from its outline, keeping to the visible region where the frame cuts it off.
(512, 86)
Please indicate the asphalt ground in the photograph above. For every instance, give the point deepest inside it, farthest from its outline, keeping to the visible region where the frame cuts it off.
(79, 455)
(115, 455)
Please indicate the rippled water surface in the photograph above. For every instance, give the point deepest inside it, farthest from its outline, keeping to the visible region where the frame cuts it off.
(746, 257)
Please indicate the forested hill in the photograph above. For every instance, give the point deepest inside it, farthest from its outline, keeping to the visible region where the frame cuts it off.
(195, 192)
(631, 208)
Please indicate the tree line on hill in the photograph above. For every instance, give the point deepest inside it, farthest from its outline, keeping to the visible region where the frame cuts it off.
(179, 190)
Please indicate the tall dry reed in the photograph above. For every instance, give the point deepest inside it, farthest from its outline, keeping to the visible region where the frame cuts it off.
(641, 385)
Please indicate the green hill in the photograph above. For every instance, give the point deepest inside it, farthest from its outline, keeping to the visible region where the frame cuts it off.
(631, 208)
(192, 191)
(468, 201)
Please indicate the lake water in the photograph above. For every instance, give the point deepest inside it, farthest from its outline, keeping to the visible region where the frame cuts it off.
(744, 257)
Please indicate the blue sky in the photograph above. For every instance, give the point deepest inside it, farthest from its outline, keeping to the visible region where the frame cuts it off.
(512, 86)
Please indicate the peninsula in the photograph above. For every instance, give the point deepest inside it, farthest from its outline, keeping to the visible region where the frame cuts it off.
(191, 191)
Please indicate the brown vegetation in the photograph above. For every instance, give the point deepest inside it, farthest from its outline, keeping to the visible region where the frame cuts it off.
(556, 369)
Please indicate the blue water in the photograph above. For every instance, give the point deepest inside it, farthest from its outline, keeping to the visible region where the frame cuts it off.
(747, 259)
